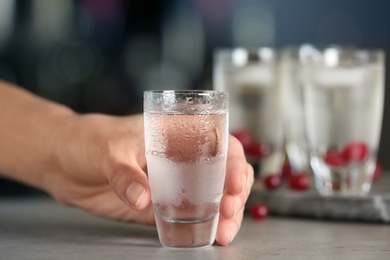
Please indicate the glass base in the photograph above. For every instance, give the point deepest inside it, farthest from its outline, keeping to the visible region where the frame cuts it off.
(352, 180)
(185, 234)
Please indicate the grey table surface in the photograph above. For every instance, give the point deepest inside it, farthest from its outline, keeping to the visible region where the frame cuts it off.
(44, 229)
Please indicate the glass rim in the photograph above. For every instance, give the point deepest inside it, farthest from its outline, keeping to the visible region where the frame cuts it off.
(186, 101)
(240, 56)
(337, 55)
(185, 91)
(246, 49)
(352, 51)
(309, 51)
(322, 47)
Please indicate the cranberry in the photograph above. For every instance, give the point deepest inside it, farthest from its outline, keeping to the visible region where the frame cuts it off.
(244, 137)
(286, 170)
(259, 211)
(257, 151)
(334, 158)
(377, 172)
(355, 152)
(299, 181)
(272, 182)
(336, 186)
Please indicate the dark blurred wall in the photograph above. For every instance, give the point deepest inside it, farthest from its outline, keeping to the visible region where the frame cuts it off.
(100, 55)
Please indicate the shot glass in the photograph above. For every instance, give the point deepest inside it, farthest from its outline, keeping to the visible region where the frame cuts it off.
(252, 77)
(186, 138)
(344, 96)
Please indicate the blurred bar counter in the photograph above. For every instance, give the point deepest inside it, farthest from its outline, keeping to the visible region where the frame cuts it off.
(41, 228)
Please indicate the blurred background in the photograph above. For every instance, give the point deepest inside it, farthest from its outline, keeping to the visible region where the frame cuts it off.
(100, 55)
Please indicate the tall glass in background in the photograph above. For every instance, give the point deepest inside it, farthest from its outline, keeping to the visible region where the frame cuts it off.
(256, 103)
(295, 132)
(344, 95)
(186, 138)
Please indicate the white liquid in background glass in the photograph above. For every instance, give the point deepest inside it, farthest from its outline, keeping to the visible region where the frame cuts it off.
(186, 158)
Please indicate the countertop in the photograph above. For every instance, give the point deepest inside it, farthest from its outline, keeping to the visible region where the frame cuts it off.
(41, 228)
(374, 207)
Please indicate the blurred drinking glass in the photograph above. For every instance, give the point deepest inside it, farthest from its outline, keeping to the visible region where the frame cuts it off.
(252, 77)
(292, 59)
(295, 134)
(344, 96)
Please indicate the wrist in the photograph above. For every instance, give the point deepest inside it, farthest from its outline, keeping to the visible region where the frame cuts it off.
(62, 122)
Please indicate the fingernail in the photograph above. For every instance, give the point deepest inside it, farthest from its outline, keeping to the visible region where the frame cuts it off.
(134, 193)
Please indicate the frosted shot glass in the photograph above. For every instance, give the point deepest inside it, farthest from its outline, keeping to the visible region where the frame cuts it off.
(252, 78)
(186, 138)
(344, 96)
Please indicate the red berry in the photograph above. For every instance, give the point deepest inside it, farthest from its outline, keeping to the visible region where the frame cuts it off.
(336, 186)
(286, 170)
(334, 158)
(355, 152)
(272, 182)
(377, 172)
(244, 137)
(259, 211)
(299, 181)
(257, 151)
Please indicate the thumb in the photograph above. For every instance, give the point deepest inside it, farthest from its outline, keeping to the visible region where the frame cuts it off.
(131, 185)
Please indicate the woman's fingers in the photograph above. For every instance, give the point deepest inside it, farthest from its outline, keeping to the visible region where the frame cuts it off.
(238, 184)
(236, 168)
(131, 185)
(228, 228)
(230, 203)
(232, 210)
